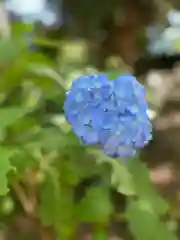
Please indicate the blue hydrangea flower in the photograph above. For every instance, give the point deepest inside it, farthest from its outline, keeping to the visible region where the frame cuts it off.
(111, 114)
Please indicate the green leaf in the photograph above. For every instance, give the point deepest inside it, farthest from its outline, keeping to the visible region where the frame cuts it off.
(95, 206)
(50, 43)
(113, 75)
(144, 188)
(5, 166)
(47, 71)
(15, 74)
(144, 222)
(10, 115)
(25, 125)
(52, 139)
(22, 161)
(9, 49)
(56, 205)
(116, 73)
(31, 95)
(20, 29)
(50, 197)
(121, 178)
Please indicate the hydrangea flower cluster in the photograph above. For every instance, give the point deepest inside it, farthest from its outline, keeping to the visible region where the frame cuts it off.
(111, 114)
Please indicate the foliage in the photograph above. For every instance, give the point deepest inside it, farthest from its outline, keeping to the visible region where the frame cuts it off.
(44, 164)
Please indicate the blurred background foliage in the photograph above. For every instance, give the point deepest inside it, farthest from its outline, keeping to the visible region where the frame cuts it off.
(51, 186)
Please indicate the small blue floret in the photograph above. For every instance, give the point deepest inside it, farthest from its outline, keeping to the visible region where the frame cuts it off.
(111, 114)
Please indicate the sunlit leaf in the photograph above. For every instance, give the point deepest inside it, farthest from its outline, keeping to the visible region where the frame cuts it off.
(122, 179)
(144, 187)
(144, 222)
(46, 71)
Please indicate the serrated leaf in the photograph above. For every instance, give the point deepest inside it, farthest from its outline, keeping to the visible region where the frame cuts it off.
(144, 188)
(95, 206)
(5, 166)
(10, 115)
(144, 222)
